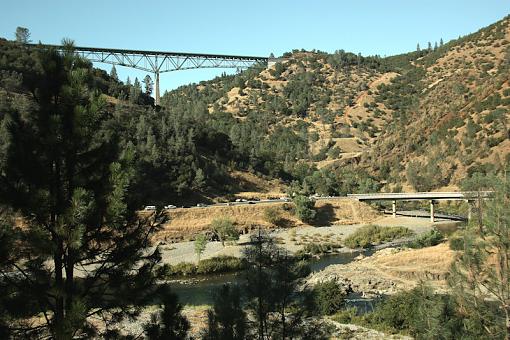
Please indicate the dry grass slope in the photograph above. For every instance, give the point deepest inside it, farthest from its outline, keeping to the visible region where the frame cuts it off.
(184, 223)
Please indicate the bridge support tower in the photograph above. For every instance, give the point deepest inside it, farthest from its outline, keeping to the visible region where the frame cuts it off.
(394, 208)
(156, 92)
(432, 203)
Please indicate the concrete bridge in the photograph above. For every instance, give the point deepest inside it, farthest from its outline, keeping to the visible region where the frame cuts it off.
(157, 62)
(433, 197)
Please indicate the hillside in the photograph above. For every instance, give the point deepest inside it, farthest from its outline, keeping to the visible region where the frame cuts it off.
(450, 113)
(315, 123)
(422, 121)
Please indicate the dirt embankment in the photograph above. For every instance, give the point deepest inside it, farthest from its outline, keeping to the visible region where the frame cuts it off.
(183, 224)
(391, 270)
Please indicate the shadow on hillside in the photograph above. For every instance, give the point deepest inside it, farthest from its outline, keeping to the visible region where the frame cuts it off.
(325, 216)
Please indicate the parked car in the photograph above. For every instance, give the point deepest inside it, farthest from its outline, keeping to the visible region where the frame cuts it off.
(201, 205)
(170, 206)
(149, 208)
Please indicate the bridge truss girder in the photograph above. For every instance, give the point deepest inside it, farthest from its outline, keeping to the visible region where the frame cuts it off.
(165, 63)
(159, 62)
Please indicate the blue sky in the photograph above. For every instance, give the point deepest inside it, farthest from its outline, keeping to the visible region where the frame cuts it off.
(252, 28)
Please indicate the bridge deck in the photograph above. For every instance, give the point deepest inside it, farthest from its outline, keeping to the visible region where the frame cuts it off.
(463, 195)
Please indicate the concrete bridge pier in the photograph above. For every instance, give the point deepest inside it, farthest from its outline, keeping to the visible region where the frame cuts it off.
(394, 208)
(470, 209)
(156, 92)
(432, 203)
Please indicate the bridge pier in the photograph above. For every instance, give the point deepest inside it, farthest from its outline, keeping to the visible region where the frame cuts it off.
(470, 209)
(394, 208)
(432, 202)
(156, 92)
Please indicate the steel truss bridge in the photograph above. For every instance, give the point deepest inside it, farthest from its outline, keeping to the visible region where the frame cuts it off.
(157, 62)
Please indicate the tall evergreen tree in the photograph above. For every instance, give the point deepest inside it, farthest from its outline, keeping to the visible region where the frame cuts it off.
(169, 323)
(135, 91)
(272, 281)
(227, 319)
(22, 35)
(480, 276)
(80, 251)
(113, 73)
(148, 84)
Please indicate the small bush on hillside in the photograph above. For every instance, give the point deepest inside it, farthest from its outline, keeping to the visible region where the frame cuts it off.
(273, 215)
(328, 297)
(432, 238)
(373, 234)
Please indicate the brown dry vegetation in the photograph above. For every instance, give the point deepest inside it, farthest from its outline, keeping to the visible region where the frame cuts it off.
(184, 223)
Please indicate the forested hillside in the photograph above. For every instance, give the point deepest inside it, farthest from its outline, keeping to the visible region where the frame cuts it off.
(317, 122)
(422, 120)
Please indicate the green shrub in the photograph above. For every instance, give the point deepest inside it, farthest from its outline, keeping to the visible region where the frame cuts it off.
(304, 208)
(224, 229)
(456, 241)
(213, 265)
(328, 297)
(318, 248)
(220, 264)
(418, 312)
(182, 268)
(348, 315)
(374, 234)
(429, 239)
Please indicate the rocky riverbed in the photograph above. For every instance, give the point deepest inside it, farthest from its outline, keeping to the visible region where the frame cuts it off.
(390, 270)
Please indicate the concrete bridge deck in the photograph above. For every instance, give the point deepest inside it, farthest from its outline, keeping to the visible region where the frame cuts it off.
(433, 197)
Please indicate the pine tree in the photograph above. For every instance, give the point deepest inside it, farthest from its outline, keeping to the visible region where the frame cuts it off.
(148, 84)
(22, 35)
(429, 48)
(418, 48)
(199, 180)
(200, 245)
(169, 324)
(80, 251)
(113, 73)
(441, 42)
(272, 280)
(480, 277)
(227, 318)
(135, 91)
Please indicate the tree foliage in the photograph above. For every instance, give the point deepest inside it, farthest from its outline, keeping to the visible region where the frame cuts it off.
(79, 252)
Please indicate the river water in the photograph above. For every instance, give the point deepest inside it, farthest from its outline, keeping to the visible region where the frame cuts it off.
(200, 290)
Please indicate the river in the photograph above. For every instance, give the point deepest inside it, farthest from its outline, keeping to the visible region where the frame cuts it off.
(200, 290)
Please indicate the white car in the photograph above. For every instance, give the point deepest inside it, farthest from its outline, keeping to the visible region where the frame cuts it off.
(149, 208)
(170, 206)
